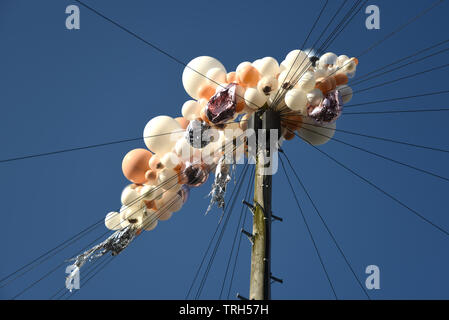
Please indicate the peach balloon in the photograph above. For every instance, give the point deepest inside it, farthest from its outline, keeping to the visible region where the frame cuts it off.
(341, 78)
(135, 164)
(179, 167)
(182, 122)
(204, 116)
(240, 106)
(206, 91)
(248, 76)
(333, 82)
(231, 77)
(325, 84)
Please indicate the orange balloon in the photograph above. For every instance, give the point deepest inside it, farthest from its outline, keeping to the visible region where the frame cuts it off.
(325, 84)
(341, 78)
(231, 77)
(333, 82)
(204, 116)
(240, 106)
(183, 122)
(206, 91)
(248, 76)
(135, 164)
(179, 167)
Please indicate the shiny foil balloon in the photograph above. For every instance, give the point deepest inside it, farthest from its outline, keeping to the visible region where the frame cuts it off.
(196, 134)
(221, 107)
(329, 109)
(195, 174)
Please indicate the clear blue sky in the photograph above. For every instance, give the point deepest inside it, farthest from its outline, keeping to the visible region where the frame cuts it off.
(63, 89)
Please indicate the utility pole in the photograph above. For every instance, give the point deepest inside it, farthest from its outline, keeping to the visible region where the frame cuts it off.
(260, 282)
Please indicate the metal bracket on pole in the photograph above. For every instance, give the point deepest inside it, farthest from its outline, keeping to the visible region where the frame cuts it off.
(250, 206)
(275, 279)
(249, 235)
(276, 218)
(241, 297)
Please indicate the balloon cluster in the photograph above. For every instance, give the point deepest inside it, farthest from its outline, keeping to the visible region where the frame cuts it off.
(308, 92)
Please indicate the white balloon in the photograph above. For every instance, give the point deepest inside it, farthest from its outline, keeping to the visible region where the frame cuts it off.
(306, 82)
(164, 214)
(254, 98)
(282, 67)
(341, 60)
(161, 134)
(242, 65)
(295, 55)
(297, 61)
(194, 73)
(346, 93)
(286, 77)
(112, 221)
(296, 99)
(267, 66)
(163, 206)
(172, 201)
(316, 134)
(314, 97)
(349, 66)
(170, 160)
(183, 149)
(215, 76)
(329, 58)
(267, 85)
(191, 110)
(149, 192)
(129, 194)
(168, 178)
(320, 73)
(132, 215)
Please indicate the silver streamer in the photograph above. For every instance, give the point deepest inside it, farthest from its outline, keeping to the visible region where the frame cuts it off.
(114, 244)
(218, 192)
